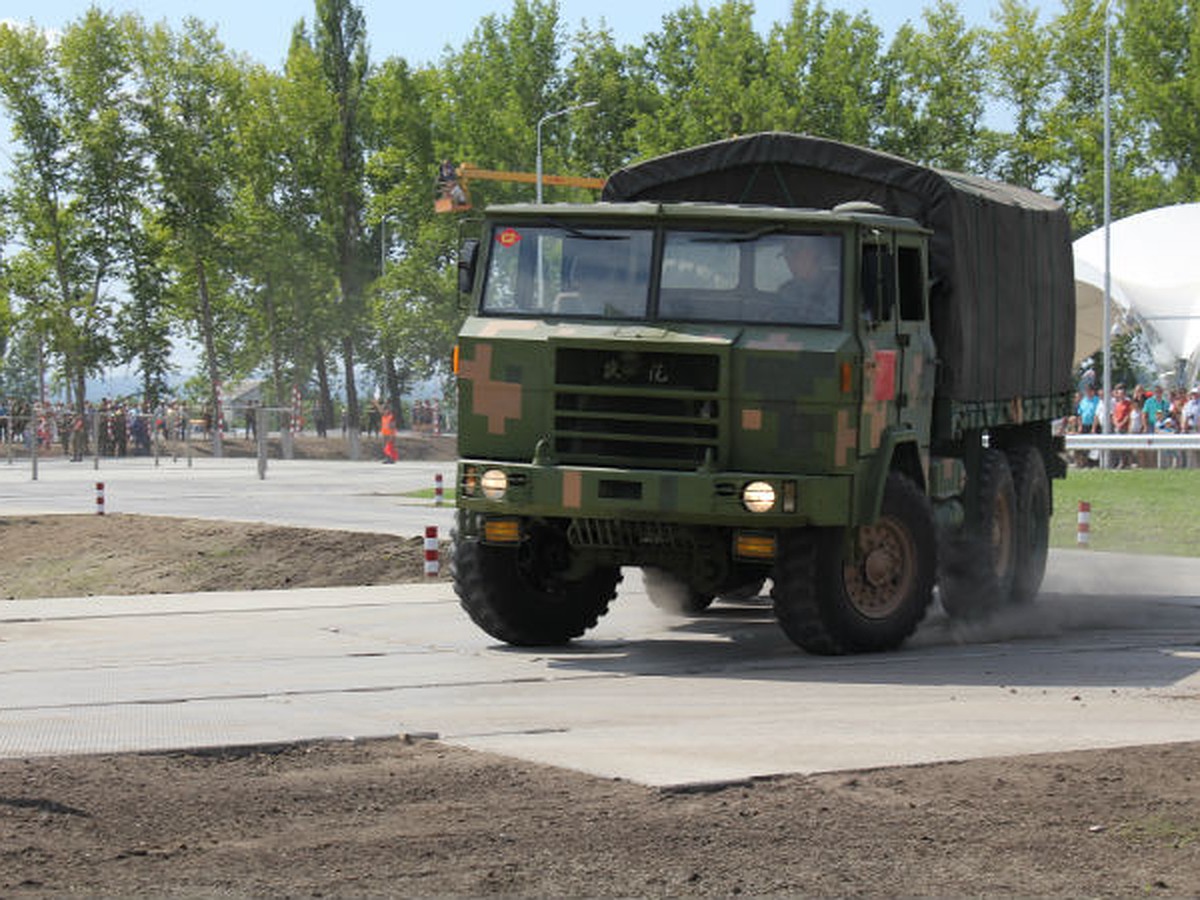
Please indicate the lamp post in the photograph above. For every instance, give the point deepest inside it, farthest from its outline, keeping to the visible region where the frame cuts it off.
(542, 121)
(1106, 424)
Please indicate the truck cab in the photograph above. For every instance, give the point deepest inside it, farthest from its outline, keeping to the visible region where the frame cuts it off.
(679, 387)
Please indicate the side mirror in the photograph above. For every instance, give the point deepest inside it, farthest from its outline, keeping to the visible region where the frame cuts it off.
(466, 265)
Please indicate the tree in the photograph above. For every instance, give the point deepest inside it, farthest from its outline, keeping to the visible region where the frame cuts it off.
(75, 167)
(340, 41)
(1075, 121)
(495, 89)
(308, 184)
(825, 70)
(603, 138)
(709, 69)
(933, 90)
(190, 91)
(1017, 52)
(1161, 42)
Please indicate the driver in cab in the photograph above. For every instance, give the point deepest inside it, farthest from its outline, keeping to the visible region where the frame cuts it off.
(813, 293)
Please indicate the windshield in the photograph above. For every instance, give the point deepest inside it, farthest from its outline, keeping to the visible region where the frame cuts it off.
(765, 276)
(576, 271)
(791, 279)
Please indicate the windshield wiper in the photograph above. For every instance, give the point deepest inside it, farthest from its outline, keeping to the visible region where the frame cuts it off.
(584, 235)
(743, 238)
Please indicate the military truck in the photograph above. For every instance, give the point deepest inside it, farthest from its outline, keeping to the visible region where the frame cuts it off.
(772, 358)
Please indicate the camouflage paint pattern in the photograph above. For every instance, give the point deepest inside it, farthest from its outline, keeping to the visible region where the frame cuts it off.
(497, 400)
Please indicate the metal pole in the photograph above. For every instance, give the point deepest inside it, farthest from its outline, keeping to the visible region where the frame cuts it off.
(538, 179)
(542, 121)
(33, 447)
(1106, 424)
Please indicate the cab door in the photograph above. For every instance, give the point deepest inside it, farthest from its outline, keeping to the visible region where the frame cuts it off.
(879, 335)
(917, 365)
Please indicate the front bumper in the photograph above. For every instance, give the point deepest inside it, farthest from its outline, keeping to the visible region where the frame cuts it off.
(637, 495)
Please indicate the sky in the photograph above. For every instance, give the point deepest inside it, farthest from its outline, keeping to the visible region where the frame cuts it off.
(419, 35)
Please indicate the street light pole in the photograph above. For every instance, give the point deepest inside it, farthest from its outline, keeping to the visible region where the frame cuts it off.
(542, 121)
(1106, 424)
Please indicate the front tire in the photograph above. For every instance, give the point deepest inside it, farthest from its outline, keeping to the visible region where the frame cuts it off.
(861, 592)
(524, 608)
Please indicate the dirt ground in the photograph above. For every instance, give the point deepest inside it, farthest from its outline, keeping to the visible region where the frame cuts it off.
(401, 818)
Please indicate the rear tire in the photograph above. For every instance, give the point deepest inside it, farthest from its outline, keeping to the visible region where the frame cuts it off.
(979, 566)
(861, 592)
(670, 594)
(525, 608)
(1032, 489)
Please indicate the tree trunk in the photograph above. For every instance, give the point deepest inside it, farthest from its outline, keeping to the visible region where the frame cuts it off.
(395, 386)
(326, 397)
(210, 352)
(352, 411)
(78, 439)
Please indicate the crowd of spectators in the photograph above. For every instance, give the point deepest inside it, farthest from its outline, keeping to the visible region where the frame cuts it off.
(112, 427)
(1175, 411)
(123, 427)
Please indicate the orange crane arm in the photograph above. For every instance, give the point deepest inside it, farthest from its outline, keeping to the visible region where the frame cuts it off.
(467, 172)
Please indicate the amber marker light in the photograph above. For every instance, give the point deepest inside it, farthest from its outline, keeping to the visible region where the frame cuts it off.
(454, 360)
(749, 545)
(502, 531)
(470, 481)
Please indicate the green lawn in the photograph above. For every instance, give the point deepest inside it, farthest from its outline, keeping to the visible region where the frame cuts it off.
(448, 495)
(1133, 510)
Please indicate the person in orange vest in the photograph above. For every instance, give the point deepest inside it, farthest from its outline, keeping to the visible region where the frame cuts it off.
(387, 428)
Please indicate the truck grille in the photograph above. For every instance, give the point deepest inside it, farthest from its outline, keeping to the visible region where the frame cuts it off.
(639, 408)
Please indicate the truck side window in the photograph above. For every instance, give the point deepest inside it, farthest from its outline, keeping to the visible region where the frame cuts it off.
(912, 294)
(878, 283)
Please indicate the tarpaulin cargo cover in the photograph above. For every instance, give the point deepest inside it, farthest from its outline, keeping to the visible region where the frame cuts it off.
(1003, 298)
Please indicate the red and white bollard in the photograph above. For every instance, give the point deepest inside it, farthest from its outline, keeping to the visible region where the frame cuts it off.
(99, 498)
(431, 551)
(1084, 530)
(439, 492)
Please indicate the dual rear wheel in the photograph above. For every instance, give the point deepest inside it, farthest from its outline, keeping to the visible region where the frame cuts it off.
(999, 559)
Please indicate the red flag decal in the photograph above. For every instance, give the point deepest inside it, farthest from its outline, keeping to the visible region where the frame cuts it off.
(885, 375)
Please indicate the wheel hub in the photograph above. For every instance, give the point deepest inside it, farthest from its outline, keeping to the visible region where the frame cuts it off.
(878, 581)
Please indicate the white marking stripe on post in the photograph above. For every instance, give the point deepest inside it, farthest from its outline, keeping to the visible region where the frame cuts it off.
(431, 550)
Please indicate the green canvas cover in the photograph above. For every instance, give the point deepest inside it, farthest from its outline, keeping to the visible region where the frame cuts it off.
(1003, 296)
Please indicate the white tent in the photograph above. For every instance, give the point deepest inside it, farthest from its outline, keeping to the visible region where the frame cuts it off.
(1155, 272)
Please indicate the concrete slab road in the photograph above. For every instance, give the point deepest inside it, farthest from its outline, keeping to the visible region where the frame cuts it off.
(354, 496)
(1097, 662)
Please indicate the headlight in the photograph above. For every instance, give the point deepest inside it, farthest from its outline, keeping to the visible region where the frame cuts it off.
(758, 497)
(494, 483)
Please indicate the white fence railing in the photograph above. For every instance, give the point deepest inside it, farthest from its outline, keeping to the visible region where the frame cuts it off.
(1159, 440)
